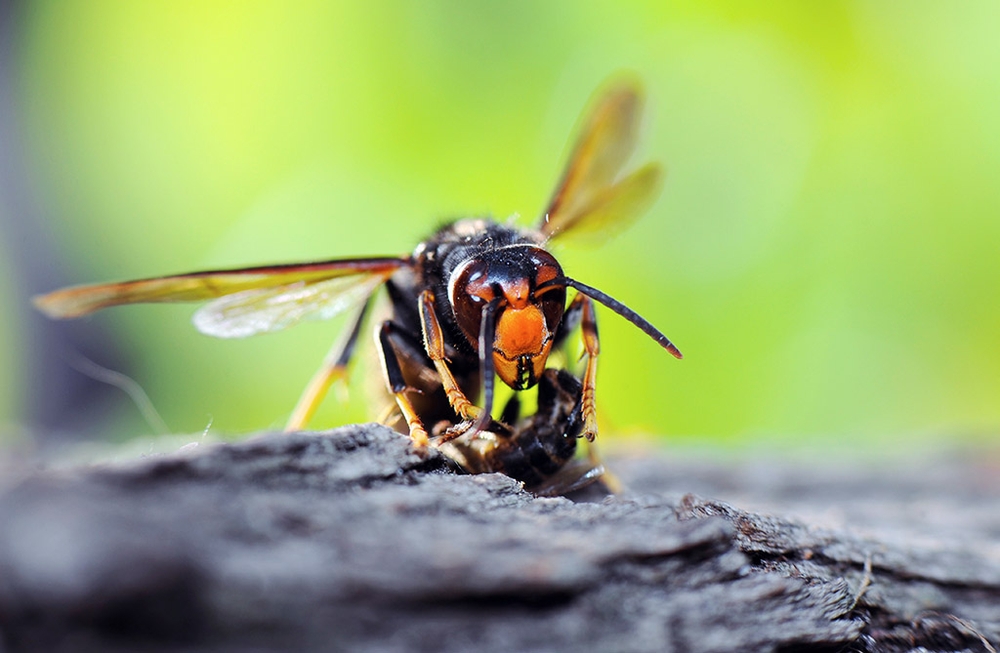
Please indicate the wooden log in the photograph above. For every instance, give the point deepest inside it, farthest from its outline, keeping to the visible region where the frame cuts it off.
(353, 540)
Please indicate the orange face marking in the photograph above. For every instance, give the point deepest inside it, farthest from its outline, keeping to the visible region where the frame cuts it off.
(521, 346)
(521, 332)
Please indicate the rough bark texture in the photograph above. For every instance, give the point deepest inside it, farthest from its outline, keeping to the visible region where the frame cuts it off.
(351, 540)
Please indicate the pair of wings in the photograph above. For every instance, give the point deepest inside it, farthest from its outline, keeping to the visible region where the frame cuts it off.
(593, 193)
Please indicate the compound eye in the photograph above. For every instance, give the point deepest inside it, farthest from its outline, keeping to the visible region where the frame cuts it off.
(550, 295)
(469, 292)
(544, 267)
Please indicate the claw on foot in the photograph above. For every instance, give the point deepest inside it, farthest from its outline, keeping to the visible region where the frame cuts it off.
(419, 436)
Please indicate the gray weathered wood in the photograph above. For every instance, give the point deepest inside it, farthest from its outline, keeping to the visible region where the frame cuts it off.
(352, 540)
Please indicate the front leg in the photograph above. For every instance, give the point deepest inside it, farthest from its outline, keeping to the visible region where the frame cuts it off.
(434, 344)
(397, 384)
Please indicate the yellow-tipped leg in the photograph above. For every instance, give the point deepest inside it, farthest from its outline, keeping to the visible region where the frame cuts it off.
(417, 431)
(434, 344)
(314, 393)
(459, 402)
(396, 384)
(334, 368)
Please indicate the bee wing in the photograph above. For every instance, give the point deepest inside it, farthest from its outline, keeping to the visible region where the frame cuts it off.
(591, 182)
(263, 310)
(617, 206)
(196, 286)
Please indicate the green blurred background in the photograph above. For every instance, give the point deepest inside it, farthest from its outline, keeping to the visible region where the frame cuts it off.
(826, 251)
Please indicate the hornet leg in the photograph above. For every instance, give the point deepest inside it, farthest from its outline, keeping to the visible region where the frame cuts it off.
(397, 385)
(434, 342)
(588, 329)
(334, 368)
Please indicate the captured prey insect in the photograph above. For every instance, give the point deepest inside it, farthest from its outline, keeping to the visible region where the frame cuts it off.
(537, 450)
(476, 300)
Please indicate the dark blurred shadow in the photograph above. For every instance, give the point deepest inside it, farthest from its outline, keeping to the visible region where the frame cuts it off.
(60, 404)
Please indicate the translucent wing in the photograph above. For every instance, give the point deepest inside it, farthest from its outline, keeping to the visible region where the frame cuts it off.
(615, 208)
(592, 192)
(196, 286)
(575, 475)
(263, 310)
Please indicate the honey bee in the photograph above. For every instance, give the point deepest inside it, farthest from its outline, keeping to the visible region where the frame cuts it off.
(476, 300)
